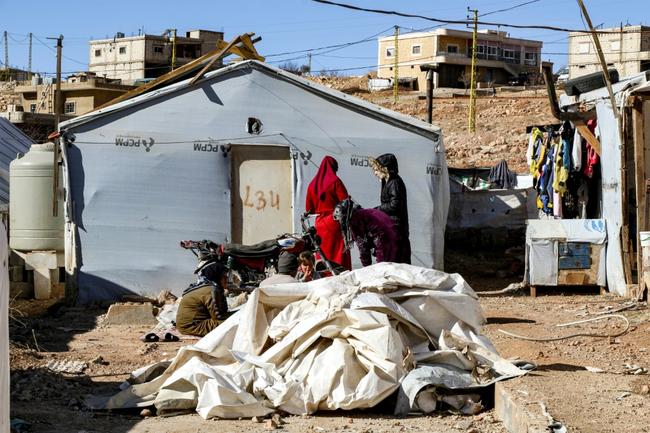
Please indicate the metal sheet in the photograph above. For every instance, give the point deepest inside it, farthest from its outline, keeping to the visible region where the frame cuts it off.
(611, 183)
(155, 170)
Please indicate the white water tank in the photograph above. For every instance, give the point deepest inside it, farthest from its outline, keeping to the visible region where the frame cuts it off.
(32, 227)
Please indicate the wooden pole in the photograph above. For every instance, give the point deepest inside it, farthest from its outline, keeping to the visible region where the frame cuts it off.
(601, 58)
(640, 189)
(430, 96)
(396, 67)
(472, 92)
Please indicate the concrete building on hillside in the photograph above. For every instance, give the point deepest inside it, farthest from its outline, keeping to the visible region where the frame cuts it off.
(142, 57)
(625, 48)
(500, 57)
(82, 92)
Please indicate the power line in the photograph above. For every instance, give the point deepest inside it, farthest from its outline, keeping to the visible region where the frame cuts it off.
(65, 57)
(465, 22)
(509, 9)
(342, 45)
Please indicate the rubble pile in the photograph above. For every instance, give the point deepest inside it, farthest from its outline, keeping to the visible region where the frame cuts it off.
(7, 95)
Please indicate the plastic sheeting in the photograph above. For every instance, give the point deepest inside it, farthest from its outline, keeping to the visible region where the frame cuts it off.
(4, 330)
(343, 342)
(148, 172)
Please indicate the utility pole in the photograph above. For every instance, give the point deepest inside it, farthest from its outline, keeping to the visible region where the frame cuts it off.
(29, 68)
(309, 63)
(396, 66)
(472, 91)
(57, 95)
(58, 103)
(601, 57)
(173, 49)
(6, 51)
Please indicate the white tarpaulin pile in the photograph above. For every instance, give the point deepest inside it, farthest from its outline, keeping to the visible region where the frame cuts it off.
(343, 342)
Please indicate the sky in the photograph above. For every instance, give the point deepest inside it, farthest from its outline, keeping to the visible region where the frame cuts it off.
(285, 26)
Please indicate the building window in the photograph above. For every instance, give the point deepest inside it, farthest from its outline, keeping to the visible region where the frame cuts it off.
(98, 53)
(492, 51)
(480, 49)
(452, 49)
(583, 47)
(530, 58)
(32, 108)
(390, 51)
(122, 50)
(416, 50)
(158, 49)
(615, 46)
(70, 107)
(509, 54)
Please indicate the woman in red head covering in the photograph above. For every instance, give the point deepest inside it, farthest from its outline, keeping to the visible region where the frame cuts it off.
(324, 192)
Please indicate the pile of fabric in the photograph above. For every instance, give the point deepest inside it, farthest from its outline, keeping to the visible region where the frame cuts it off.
(343, 342)
(566, 170)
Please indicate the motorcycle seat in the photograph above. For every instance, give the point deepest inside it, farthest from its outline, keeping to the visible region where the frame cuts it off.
(261, 249)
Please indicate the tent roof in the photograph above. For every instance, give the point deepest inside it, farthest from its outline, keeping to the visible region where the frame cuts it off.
(397, 119)
(12, 142)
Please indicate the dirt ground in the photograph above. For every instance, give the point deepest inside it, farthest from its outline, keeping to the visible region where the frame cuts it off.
(614, 400)
(584, 401)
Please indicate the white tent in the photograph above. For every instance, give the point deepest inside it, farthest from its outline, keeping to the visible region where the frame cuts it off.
(228, 158)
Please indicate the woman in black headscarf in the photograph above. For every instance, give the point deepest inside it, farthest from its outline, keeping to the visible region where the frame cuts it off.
(393, 201)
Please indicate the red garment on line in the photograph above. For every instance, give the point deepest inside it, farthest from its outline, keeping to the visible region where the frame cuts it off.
(325, 191)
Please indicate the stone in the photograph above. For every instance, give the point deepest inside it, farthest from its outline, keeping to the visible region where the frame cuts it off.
(145, 413)
(277, 419)
(130, 314)
(271, 424)
(256, 419)
(645, 389)
(100, 360)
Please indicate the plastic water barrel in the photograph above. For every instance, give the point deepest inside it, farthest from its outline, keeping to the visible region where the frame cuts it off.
(32, 227)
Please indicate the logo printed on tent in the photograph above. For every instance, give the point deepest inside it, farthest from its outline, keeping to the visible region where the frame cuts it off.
(131, 141)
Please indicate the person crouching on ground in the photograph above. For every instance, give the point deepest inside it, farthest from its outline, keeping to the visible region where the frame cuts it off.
(287, 268)
(203, 305)
(371, 229)
(306, 267)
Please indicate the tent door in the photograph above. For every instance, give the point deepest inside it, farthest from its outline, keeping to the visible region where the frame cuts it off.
(262, 193)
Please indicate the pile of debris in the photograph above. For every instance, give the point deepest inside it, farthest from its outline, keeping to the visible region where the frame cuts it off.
(8, 95)
(344, 342)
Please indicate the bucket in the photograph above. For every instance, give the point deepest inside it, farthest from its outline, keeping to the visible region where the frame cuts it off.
(644, 237)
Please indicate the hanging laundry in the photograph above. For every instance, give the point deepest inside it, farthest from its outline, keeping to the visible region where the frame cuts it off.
(502, 177)
(592, 156)
(576, 151)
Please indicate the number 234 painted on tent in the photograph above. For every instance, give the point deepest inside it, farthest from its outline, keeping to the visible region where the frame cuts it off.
(259, 199)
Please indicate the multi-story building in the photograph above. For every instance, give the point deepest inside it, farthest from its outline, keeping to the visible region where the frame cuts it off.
(500, 57)
(625, 48)
(137, 58)
(81, 93)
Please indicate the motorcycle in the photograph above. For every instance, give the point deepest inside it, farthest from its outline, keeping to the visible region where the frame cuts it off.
(249, 265)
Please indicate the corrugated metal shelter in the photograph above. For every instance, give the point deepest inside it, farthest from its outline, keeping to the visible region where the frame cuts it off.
(12, 142)
(228, 158)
